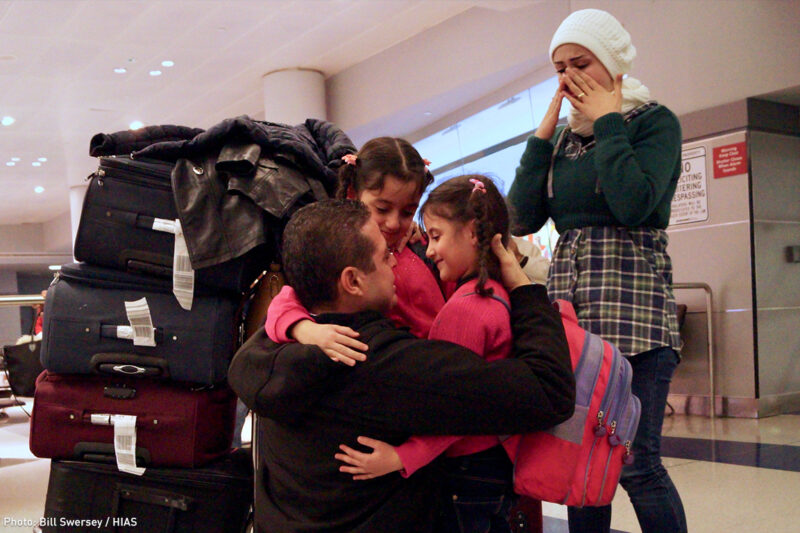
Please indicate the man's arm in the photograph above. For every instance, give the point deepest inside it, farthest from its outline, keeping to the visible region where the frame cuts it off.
(281, 381)
(435, 387)
(420, 386)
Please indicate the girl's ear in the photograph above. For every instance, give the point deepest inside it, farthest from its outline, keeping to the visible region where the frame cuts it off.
(470, 227)
(351, 193)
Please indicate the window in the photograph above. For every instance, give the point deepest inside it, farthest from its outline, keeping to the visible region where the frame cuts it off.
(491, 142)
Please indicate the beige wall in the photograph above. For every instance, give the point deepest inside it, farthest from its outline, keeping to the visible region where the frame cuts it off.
(717, 252)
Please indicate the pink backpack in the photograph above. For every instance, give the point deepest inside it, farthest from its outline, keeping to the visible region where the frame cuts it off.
(579, 462)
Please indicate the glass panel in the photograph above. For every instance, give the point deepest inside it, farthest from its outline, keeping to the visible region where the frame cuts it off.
(496, 124)
(480, 132)
(441, 148)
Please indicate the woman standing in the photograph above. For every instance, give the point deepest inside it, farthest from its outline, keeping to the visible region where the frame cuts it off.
(607, 180)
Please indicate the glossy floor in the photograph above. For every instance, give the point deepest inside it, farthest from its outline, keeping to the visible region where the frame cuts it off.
(735, 475)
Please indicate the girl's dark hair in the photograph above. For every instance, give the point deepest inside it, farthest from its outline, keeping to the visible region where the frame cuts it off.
(461, 200)
(381, 157)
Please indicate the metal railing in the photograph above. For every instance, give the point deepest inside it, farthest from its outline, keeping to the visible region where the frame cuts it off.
(710, 330)
(20, 300)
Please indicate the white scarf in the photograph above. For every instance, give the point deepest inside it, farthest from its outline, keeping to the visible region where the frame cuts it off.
(634, 94)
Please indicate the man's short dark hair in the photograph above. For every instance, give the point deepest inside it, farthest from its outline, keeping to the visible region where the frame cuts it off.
(320, 241)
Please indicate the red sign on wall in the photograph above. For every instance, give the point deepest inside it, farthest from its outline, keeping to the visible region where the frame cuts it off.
(730, 160)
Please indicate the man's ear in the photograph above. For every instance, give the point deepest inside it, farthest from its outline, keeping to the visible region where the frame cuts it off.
(350, 281)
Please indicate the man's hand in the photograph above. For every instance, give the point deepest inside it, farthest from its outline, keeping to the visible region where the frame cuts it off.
(512, 274)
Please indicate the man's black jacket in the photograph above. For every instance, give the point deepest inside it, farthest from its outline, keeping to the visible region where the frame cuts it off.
(407, 386)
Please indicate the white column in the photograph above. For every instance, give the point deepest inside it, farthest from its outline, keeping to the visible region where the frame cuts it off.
(293, 95)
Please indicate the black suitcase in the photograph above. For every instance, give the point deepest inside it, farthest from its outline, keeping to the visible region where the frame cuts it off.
(125, 205)
(93, 497)
(85, 326)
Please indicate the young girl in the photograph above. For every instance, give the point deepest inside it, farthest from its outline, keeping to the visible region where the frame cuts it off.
(389, 176)
(460, 218)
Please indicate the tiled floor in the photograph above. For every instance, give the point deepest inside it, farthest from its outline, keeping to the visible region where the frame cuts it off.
(737, 475)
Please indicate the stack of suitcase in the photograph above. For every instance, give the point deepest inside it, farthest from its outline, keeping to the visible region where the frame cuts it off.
(133, 379)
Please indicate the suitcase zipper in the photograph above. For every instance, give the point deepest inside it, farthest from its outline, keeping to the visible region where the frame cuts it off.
(112, 169)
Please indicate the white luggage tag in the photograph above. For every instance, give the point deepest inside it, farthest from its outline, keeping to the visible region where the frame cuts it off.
(124, 440)
(142, 324)
(182, 272)
(125, 443)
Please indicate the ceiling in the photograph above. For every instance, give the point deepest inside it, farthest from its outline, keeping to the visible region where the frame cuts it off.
(58, 80)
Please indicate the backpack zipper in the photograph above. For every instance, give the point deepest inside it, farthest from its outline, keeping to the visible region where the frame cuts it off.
(588, 365)
(602, 415)
(621, 396)
(626, 426)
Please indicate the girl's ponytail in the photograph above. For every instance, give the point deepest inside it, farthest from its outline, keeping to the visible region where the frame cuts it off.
(379, 158)
(347, 176)
(488, 265)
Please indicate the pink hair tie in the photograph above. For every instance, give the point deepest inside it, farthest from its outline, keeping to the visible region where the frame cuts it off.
(479, 186)
(350, 159)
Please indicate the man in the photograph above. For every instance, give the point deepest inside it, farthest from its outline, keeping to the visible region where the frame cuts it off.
(341, 269)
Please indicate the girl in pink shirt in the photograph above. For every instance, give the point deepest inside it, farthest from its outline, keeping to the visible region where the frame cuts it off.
(389, 176)
(460, 217)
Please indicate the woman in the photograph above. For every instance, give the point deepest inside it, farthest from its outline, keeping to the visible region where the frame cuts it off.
(607, 180)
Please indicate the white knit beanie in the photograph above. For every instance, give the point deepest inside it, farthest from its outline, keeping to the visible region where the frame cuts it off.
(600, 33)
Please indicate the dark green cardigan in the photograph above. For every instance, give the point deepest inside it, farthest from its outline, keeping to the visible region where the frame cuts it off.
(627, 179)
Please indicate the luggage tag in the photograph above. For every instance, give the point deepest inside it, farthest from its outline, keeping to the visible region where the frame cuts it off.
(125, 444)
(142, 324)
(124, 440)
(182, 272)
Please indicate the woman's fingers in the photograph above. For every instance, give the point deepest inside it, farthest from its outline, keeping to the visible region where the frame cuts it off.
(583, 80)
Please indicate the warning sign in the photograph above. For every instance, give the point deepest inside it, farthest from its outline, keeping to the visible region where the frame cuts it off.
(730, 160)
(690, 202)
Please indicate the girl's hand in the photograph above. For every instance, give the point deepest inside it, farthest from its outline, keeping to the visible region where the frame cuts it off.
(338, 342)
(414, 234)
(591, 98)
(382, 460)
(547, 127)
(512, 274)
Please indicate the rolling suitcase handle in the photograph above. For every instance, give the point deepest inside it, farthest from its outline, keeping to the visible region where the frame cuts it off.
(127, 364)
(173, 501)
(99, 452)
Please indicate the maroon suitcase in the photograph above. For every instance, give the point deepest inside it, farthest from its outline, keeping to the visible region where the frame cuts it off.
(176, 426)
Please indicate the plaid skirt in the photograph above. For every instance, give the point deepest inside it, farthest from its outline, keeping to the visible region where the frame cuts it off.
(620, 282)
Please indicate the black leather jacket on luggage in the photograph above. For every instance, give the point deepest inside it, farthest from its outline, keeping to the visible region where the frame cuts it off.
(237, 183)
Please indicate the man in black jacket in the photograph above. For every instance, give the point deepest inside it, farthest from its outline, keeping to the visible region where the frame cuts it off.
(407, 385)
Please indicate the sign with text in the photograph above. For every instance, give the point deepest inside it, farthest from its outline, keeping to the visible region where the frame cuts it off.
(690, 202)
(730, 160)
